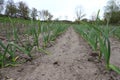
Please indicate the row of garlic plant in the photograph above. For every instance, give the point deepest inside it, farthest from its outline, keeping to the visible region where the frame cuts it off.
(98, 38)
(117, 32)
(12, 46)
(9, 47)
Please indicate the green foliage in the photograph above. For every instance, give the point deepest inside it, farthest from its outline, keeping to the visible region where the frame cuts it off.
(11, 9)
(50, 31)
(112, 12)
(115, 68)
(98, 37)
(88, 34)
(23, 10)
(34, 13)
(10, 49)
(25, 39)
(117, 32)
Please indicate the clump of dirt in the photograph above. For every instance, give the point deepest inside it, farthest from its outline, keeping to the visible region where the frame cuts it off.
(70, 59)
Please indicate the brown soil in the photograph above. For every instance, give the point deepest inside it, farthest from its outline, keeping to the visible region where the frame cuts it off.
(115, 49)
(70, 59)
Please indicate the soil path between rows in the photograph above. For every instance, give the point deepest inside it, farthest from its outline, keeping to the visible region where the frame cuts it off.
(115, 51)
(69, 60)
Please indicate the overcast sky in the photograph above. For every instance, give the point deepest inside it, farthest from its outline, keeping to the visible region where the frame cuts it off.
(65, 9)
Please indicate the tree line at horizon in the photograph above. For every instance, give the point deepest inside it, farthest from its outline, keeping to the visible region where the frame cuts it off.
(21, 10)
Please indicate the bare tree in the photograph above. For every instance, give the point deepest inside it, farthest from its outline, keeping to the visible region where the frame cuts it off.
(56, 19)
(93, 16)
(45, 15)
(23, 10)
(1, 5)
(34, 13)
(79, 13)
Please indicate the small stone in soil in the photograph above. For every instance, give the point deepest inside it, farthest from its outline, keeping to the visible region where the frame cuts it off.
(90, 59)
(20, 70)
(56, 63)
(43, 74)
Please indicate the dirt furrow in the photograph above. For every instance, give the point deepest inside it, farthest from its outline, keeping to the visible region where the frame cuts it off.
(68, 61)
(115, 51)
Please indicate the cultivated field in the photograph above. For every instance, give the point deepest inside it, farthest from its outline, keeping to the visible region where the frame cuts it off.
(35, 50)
